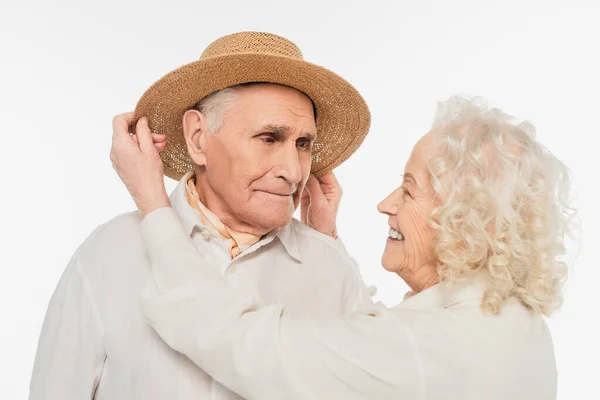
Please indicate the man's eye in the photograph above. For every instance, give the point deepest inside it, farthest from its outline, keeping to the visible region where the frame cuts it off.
(267, 139)
(303, 144)
(406, 192)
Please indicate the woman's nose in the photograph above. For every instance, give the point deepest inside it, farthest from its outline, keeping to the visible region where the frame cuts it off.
(388, 206)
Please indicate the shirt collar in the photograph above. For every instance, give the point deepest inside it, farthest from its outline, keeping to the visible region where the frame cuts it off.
(190, 220)
(443, 295)
(188, 216)
(287, 236)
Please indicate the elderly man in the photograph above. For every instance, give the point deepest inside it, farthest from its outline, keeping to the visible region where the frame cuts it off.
(243, 129)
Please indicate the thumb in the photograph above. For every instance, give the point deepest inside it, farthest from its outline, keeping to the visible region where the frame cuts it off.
(304, 204)
(144, 135)
(313, 187)
(329, 179)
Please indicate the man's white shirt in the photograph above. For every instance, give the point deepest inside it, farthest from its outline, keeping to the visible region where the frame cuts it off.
(95, 343)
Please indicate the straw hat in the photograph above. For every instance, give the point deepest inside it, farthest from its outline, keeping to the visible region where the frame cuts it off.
(342, 116)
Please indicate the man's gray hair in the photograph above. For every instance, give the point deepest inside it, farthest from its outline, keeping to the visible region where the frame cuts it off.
(215, 106)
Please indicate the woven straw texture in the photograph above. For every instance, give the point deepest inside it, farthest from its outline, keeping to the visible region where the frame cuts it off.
(343, 118)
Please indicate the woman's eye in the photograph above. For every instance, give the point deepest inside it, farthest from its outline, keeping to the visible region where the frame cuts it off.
(406, 192)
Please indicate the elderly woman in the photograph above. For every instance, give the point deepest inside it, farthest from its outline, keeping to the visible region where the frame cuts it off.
(476, 231)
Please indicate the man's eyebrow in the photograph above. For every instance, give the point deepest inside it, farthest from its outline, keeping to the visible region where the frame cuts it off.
(284, 130)
(276, 129)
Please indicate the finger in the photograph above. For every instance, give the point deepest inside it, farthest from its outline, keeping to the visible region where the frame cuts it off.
(160, 146)
(304, 204)
(159, 137)
(144, 136)
(121, 119)
(331, 188)
(314, 189)
(120, 125)
(329, 179)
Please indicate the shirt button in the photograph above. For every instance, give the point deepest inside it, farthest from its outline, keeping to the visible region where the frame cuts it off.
(232, 269)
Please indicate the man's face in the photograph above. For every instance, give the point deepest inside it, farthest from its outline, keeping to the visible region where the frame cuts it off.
(257, 163)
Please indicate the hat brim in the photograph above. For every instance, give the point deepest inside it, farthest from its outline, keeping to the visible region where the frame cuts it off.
(342, 121)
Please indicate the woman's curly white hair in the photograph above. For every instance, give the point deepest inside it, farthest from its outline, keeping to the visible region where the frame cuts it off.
(504, 205)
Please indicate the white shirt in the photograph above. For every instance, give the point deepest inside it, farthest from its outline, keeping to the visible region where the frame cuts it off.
(437, 344)
(96, 344)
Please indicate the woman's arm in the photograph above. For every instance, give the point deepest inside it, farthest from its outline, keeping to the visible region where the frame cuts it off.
(259, 352)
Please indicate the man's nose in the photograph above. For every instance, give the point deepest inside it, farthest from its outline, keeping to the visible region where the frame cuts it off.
(288, 165)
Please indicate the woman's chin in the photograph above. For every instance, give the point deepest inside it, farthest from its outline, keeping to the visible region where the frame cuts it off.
(393, 254)
(389, 263)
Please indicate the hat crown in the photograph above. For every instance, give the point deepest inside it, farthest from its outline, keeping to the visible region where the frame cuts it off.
(252, 42)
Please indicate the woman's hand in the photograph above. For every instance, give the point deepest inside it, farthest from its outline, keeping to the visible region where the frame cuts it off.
(320, 203)
(135, 158)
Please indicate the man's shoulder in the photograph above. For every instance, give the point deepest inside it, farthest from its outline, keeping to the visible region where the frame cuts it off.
(305, 232)
(112, 266)
(321, 251)
(312, 242)
(112, 235)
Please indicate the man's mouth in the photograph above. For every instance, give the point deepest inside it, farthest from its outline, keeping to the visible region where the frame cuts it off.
(280, 194)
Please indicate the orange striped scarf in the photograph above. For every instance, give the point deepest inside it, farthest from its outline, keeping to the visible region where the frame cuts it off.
(237, 241)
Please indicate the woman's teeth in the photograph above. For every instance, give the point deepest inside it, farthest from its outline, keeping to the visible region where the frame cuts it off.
(394, 234)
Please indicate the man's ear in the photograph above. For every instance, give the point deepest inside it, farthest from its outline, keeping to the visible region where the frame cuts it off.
(196, 135)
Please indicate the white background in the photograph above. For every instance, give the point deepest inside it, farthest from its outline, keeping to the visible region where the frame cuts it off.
(66, 67)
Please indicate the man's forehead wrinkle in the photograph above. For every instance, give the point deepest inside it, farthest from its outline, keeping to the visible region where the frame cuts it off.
(299, 112)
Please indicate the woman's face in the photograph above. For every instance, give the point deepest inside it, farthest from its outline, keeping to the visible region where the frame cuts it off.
(409, 244)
